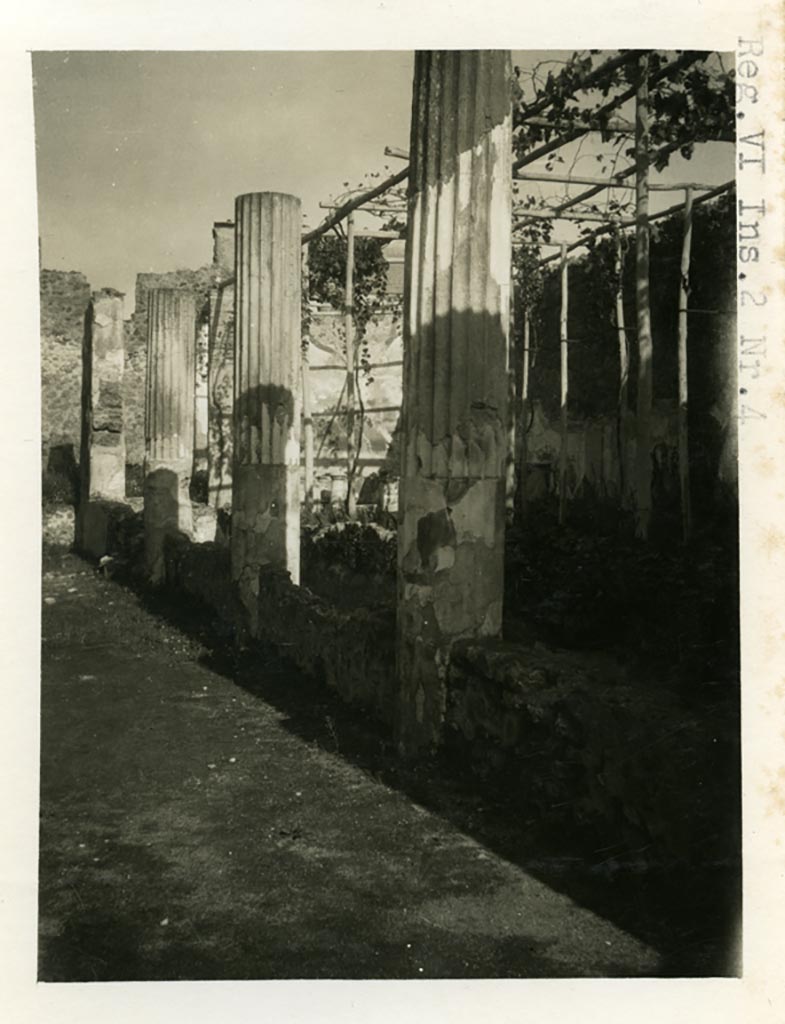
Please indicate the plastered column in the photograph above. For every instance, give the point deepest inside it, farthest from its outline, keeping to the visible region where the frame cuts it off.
(169, 421)
(201, 398)
(220, 391)
(267, 391)
(102, 455)
(220, 379)
(456, 332)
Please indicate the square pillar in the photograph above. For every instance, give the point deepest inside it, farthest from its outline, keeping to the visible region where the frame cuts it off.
(102, 449)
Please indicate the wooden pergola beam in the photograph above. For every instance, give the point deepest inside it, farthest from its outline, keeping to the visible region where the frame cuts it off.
(590, 218)
(617, 125)
(354, 204)
(593, 78)
(368, 232)
(612, 182)
(583, 197)
(562, 140)
(657, 216)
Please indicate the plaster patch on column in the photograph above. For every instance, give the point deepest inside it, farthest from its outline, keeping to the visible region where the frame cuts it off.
(434, 531)
(417, 592)
(492, 623)
(262, 521)
(462, 596)
(444, 559)
(477, 508)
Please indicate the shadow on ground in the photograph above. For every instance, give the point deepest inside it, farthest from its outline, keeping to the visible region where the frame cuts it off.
(690, 913)
(146, 895)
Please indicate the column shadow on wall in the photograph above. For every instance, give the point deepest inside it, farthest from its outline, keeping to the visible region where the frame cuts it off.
(279, 403)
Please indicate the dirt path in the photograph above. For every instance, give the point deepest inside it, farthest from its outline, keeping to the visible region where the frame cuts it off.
(193, 829)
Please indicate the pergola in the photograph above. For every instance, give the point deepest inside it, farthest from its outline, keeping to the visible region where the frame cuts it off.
(381, 200)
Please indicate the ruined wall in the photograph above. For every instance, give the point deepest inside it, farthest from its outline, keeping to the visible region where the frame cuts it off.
(595, 460)
(64, 300)
(594, 364)
(65, 296)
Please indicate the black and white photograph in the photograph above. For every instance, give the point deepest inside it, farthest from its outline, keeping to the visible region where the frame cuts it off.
(400, 411)
(390, 570)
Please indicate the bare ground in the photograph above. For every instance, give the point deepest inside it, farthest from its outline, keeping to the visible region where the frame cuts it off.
(204, 819)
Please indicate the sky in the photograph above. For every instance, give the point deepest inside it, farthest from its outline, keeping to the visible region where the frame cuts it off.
(139, 152)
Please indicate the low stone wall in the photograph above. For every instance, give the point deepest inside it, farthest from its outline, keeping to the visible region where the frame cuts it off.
(350, 565)
(625, 760)
(110, 529)
(353, 652)
(203, 572)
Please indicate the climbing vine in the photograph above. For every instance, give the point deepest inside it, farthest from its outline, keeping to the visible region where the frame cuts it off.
(327, 274)
(693, 102)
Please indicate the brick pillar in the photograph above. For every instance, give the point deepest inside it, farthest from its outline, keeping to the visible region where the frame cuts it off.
(102, 450)
(267, 396)
(455, 378)
(169, 421)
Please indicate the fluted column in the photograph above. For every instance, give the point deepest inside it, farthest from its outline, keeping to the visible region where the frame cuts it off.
(201, 398)
(220, 385)
(102, 454)
(267, 390)
(169, 421)
(220, 380)
(456, 329)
